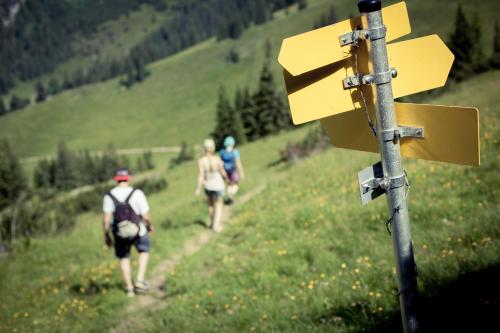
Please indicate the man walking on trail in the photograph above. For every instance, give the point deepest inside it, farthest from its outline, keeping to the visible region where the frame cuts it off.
(232, 166)
(126, 216)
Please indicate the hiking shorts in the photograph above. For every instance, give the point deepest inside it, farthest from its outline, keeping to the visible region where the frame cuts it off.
(122, 246)
(234, 176)
(214, 194)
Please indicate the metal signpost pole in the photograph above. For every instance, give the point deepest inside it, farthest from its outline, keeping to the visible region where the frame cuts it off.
(394, 175)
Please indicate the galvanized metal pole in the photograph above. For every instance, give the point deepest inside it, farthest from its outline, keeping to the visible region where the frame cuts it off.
(393, 168)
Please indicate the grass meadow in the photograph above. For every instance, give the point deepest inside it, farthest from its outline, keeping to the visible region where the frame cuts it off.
(302, 256)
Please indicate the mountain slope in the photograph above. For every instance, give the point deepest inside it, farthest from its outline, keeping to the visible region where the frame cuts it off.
(177, 102)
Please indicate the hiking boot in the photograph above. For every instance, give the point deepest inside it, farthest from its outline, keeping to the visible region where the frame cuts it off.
(229, 201)
(130, 293)
(141, 287)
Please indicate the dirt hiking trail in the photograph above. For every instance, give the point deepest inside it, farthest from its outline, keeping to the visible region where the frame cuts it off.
(157, 297)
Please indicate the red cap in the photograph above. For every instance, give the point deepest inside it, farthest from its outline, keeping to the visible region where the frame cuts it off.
(122, 175)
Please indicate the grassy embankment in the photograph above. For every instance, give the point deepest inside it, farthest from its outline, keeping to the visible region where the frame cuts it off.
(305, 256)
(298, 231)
(177, 102)
(302, 256)
(71, 282)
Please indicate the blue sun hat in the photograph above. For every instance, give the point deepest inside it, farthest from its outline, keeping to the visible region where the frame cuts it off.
(229, 141)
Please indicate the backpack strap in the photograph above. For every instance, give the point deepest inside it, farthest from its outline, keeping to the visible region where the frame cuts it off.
(130, 195)
(115, 201)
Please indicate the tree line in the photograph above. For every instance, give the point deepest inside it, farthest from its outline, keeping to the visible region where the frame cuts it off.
(31, 211)
(35, 40)
(191, 22)
(251, 116)
(69, 170)
(466, 44)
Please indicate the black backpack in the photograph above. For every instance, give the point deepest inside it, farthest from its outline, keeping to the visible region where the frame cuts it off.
(124, 213)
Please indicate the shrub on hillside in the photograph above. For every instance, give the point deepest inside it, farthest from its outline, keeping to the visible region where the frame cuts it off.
(36, 218)
(46, 214)
(152, 185)
(185, 154)
(71, 170)
(17, 103)
(314, 142)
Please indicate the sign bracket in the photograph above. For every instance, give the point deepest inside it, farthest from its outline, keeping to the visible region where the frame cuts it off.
(353, 37)
(367, 79)
(373, 183)
(402, 132)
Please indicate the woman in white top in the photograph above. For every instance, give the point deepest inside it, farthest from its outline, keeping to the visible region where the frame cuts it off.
(211, 176)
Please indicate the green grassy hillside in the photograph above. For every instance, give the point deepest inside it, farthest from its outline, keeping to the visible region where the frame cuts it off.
(301, 256)
(305, 256)
(178, 101)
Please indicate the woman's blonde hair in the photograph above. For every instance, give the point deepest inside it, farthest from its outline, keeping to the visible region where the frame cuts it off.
(209, 145)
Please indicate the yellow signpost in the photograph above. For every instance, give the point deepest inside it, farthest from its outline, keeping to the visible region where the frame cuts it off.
(314, 49)
(321, 93)
(341, 75)
(451, 133)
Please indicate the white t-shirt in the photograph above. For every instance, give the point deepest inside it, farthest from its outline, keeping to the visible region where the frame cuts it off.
(138, 202)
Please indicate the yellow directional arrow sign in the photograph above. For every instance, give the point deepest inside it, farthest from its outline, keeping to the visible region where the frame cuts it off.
(314, 49)
(422, 64)
(451, 134)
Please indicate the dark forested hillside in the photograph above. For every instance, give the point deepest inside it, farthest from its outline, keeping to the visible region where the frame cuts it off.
(36, 35)
(196, 20)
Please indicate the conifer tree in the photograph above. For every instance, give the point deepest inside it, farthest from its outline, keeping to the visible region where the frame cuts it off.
(479, 61)
(109, 162)
(53, 87)
(495, 57)
(17, 103)
(148, 160)
(66, 176)
(43, 175)
(249, 117)
(237, 131)
(465, 45)
(88, 168)
(302, 4)
(141, 71)
(270, 110)
(12, 180)
(268, 50)
(3, 108)
(41, 93)
(140, 165)
(228, 121)
(223, 123)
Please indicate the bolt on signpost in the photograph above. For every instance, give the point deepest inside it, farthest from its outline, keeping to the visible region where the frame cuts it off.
(394, 177)
(323, 77)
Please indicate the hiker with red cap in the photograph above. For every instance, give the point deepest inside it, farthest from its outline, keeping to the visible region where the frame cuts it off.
(127, 218)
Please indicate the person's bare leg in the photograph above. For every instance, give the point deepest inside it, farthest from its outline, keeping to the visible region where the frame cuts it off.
(217, 215)
(232, 189)
(142, 264)
(211, 211)
(126, 272)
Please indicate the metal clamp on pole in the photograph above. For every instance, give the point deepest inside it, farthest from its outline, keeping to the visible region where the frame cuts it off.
(367, 79)
(402, 132)
(396, 182)
(353, 37)
(373, 183)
